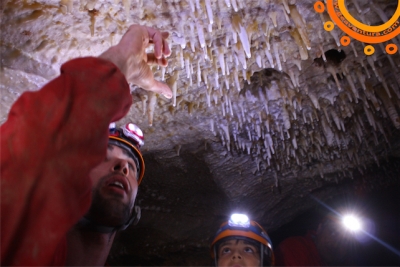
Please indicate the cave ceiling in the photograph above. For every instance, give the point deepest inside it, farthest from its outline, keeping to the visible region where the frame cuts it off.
(268, 106)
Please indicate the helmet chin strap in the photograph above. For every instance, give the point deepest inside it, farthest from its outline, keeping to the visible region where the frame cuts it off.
(134, 219)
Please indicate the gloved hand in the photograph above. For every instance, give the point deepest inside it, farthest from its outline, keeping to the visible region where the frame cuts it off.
(130, 56)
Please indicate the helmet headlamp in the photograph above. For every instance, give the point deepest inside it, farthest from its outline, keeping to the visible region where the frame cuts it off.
(132, 131)
(239, 220)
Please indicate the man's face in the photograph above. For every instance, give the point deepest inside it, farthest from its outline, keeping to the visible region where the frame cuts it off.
(238, 253)
(114, 188)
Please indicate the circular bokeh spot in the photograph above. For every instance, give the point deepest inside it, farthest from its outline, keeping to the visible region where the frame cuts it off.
(345, 40)
(319, 7)
(369, 50)
(328, 26)
(391, 49)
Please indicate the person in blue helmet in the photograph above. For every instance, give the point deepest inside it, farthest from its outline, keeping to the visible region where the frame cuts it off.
(241, 242)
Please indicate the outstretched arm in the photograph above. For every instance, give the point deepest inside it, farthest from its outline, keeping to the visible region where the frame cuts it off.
(54, 137)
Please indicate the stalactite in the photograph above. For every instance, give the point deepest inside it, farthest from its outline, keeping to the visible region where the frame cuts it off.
(383, 80)
(272, 15)
(332, 71)
(292, 78)
(151, 107)
(216, 76)
(172, 83)
(209, 11)
(240, 55)
(200, 33)
(225, 128)
(208, 98)
(372, 64)
(251, 29)
(204, 74)
(221, 59)
(352, 86)
(300, 25)
(192, 7)
(163, 74)
(285, 118)
(302, 47)
(328, 132)
(234, 5)
(276, 52)
(359, 132)
(270, 142)
(144, 98)
(227, 68)
(381, 130)
(286, 14)
(269, 56)
(365, 68)
(339, 124)
(314, 100)
(187, 65)
(354, 49)
(258, 61)
(236, 78)
(238, 27)
(324, 109)
(390, 108)
(370, 117)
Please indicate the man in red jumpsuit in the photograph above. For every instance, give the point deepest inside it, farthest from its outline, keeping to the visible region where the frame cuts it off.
(323, 247)
(54, 150)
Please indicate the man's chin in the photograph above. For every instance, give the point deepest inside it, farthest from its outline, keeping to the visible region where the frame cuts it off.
(110, 212)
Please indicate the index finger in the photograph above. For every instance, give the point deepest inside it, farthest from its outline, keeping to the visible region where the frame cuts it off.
(157, 38)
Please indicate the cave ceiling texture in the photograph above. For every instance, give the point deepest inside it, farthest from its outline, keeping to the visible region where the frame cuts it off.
(268, 108)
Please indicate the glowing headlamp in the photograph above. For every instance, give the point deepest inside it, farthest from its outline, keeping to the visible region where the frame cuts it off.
(351, 223)
(129, 131)
(133, 131)
(239, 220)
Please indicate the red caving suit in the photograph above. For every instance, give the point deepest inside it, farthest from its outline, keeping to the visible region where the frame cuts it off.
(298, 251)
(52, 139)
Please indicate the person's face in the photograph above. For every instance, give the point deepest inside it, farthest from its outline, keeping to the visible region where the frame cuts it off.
(238, 253)
(114, 188)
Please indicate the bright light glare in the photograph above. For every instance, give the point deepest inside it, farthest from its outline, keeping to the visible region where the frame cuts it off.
(134, 128)
(351, 222)
(112, 125)
(239, 220)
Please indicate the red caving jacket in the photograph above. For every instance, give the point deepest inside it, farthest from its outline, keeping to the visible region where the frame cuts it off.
(298, 251)
(50, 142)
